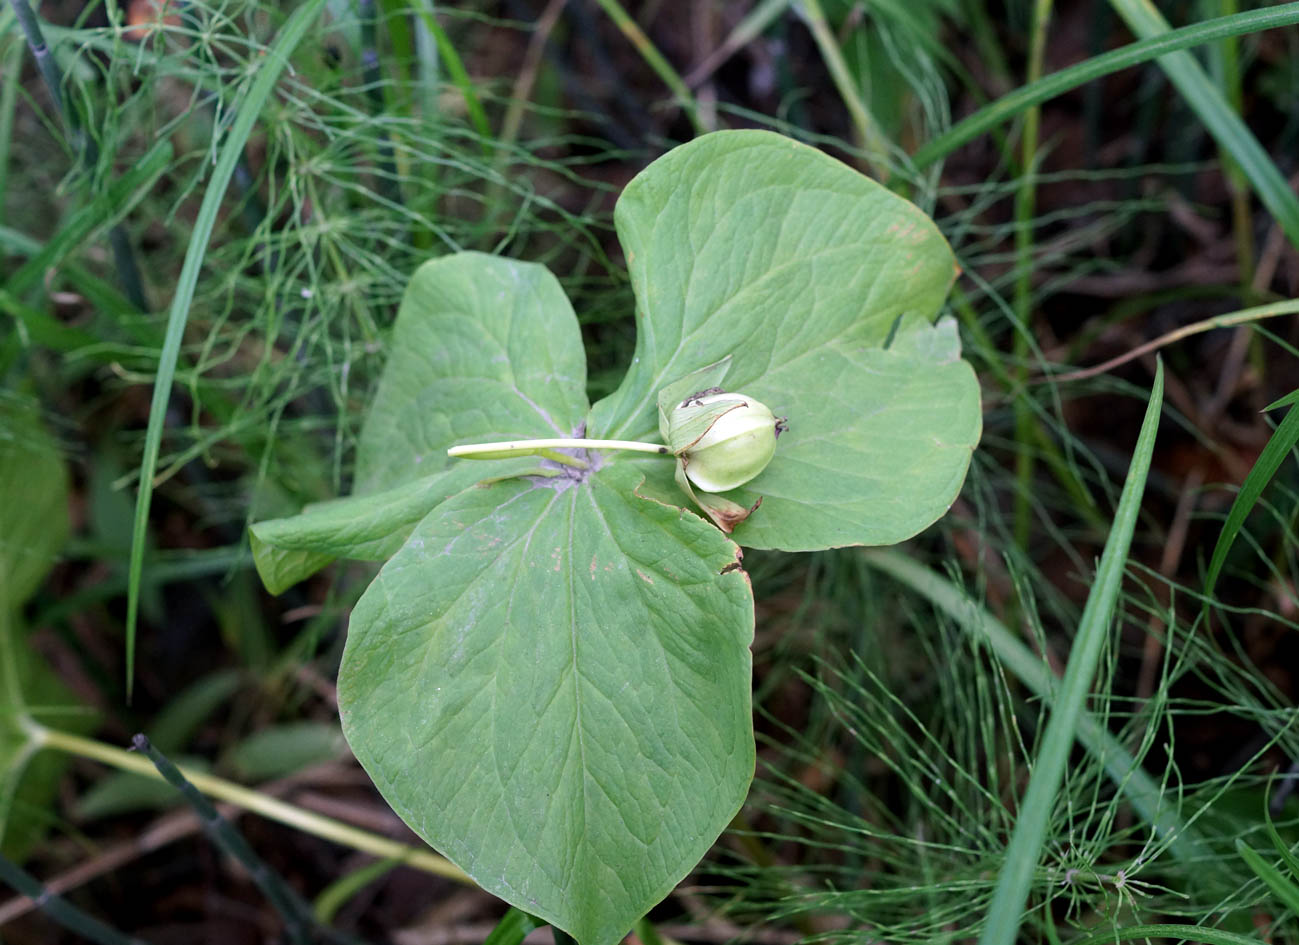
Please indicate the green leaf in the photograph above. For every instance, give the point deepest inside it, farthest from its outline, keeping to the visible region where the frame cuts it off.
(751, 245)
(280, 750)
(365, 527)
(874, 453)
(34, 513)
(550, 683)
(483, 349)
(669, 396)
(124, 792)
(281, 568)
(550, 680)
(33, 528)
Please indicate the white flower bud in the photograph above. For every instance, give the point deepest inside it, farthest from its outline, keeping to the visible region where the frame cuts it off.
(724, 440)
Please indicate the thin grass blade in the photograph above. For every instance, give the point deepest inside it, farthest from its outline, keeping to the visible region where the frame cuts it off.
(11, 61)
(868, 130)
(338, 893)
(1282, 887)
(231, 150)
(296, 914)
(115, 202)
(459, 75)
(1282, 848)
(1278, 447)
(513, 927)
(1057, 83)
(654, 59)
(753, 25)
(1005, 911)
(1177, 933)
(1227, 128)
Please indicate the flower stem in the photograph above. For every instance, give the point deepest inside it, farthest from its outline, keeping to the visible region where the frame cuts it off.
(508, 448)
(252, 800)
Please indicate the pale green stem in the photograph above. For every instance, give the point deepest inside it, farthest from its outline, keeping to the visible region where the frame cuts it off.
(654, 59)
(255, 801)
(1238, 183)
(1255, 314)
(868, 129)
(507, 448)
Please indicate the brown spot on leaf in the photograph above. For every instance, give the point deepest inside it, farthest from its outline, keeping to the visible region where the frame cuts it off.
(727, 518)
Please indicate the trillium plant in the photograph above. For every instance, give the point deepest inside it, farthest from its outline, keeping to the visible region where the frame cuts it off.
(549, 679)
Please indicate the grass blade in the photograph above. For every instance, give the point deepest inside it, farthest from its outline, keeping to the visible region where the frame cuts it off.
(654, 59)
(1227, 128)
(513, 928)
(250, 799)
(123, 254)
(753, 25)
(868, 129)
(45, 64)
(231, 150)
(116, 201)
(1242, 317)
(1179, 933)
(1005, 911)
(1286, 855)
(11, 61)
(459, 75)
(1282, 887)
(1057, 83)
(1278, 446)
(338, 893)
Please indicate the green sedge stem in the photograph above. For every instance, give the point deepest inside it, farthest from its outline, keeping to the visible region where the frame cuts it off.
(508, 448)
(252, 800)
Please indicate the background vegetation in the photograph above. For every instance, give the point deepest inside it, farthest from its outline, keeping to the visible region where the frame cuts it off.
(179, 221)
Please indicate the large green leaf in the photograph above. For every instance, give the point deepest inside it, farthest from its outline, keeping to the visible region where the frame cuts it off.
(484, 348)
(33, 527)
(34, 513)
(549, 681)
(800, 269)
(878, 451)
(364, 527)
(550, 684)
